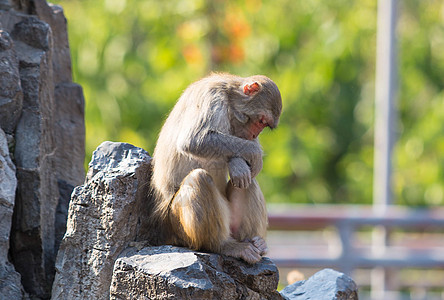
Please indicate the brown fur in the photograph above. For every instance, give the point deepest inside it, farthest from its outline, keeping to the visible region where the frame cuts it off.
(210, 133)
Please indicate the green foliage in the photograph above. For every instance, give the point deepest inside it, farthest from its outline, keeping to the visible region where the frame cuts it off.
(133, 59)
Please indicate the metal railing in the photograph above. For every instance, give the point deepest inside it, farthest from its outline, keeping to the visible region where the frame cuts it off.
(348, 220)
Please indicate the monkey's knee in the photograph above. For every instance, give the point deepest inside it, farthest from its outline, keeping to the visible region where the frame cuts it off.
(200, 213)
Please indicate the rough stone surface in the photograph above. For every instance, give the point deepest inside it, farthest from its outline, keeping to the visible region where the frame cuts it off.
(168, 272)
(10, 286)
(4, 4)
(8, 184)
(105, 215)
(11, 96)
(33, 32)
(41, 110)
(33, 236)
(54, 17)
(69, 135)
(324, 285)
(69, 132)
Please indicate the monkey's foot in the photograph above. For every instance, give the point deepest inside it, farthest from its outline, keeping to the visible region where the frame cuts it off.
(260, 244)
(251, 254)
(244, 250)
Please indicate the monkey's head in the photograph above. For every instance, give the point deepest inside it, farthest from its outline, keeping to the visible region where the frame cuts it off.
(255, 104)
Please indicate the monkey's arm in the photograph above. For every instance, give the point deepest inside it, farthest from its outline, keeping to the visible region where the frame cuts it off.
(216, 145)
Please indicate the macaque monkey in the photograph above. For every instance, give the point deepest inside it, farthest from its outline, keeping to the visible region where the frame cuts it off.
(211, 134)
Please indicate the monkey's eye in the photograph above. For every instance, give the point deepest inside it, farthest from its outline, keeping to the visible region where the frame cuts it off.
(264, 122)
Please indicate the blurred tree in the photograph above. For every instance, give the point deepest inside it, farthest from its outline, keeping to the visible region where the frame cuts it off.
(134, 58)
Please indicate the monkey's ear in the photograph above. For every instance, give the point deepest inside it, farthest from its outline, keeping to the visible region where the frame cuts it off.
(251, 89)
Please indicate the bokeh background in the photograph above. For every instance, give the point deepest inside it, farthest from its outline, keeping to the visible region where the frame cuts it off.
(134, 58)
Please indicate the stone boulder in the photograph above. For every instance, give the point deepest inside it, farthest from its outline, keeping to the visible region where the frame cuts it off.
(106, 214)
(326, 284)
(168, 272)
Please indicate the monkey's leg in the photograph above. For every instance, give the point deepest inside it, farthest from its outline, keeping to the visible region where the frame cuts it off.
(199, 213)
(248, 220)
(200, 216)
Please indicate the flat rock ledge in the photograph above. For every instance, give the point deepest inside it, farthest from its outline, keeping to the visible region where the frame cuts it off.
(168, 272)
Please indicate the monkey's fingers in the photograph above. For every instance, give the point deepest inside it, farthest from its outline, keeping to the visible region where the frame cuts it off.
(251, 254)
(236, 182)
(260, 244)
(246, 181)
(241, 181)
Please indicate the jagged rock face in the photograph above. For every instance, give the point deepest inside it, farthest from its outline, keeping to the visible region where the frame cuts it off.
(8, 184)
(41, 111)
(326, 284)
(168, 272)
(105, 215)
(10, 285)
(11, 95)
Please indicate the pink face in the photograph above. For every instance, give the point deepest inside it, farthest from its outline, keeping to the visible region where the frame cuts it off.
(256, 128)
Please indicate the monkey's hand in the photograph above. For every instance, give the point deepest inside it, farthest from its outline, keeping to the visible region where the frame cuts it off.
(260, 244)
(240, 172)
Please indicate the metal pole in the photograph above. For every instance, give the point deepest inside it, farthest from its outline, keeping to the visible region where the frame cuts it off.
(385, 93)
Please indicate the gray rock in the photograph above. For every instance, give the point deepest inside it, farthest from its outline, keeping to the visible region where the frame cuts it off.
(105, 215)
(69, 133)
(326, 284)
(69, 136)
(69, 123)
(5, 4)
(24, 6)
(44, 113)
(8, 184)
(34, 33)
(33, 234)
(10, 285)
(11, 96)
(54, 17)
(168, 272)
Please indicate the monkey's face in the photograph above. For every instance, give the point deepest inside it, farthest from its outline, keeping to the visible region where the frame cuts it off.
(259, 106)
(254, 127)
